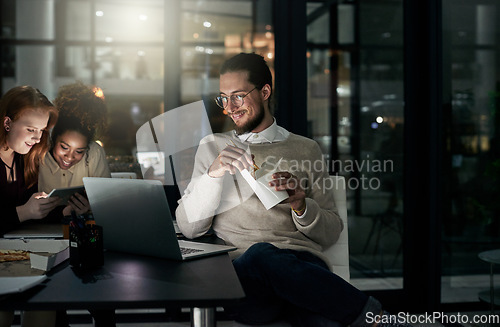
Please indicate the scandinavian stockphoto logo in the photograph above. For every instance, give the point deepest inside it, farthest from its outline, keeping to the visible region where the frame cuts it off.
(364, 174)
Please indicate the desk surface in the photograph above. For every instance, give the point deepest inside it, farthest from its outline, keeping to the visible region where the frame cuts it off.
(132, 281)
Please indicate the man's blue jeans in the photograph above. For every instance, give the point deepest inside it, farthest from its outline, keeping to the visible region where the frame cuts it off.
(297, 286)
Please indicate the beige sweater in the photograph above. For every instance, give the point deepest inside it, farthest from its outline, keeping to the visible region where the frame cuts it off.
(229, 206)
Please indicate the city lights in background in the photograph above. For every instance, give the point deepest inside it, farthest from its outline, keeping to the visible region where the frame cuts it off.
(204, 28)
(141, 17)
(203, 49)
(343, 90)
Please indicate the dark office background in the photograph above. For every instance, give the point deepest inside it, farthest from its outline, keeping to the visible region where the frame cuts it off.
(410, 83)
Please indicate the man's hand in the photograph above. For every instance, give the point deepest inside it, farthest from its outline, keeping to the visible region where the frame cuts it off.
(230, 159)
(37, 207)
(285, 181)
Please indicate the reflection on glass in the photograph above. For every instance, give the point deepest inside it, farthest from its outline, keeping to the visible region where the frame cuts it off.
(126, 54)
(214, 21)
(358, 121)
(131, 63)
(213, 31)
(39, 14)
(471, 223)
(73, 62)
(76, 19)
(117, 21)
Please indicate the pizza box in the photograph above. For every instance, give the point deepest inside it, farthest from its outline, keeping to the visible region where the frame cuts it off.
(44, 253)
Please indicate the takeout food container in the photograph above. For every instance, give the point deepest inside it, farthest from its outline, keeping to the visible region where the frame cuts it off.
(260, 185)
(44, 254)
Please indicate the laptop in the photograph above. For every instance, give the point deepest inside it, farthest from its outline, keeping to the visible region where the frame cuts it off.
(135, 217)
(33, 229)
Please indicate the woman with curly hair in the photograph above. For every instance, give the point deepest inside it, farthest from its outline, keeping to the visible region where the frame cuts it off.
(74, 153)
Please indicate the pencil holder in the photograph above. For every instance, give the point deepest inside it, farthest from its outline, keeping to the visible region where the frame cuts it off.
(86, 247)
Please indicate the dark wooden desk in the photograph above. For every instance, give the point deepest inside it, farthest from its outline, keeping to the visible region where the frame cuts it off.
(130, 281)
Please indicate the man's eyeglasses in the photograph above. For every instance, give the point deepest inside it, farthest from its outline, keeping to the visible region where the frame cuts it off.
(236, 100)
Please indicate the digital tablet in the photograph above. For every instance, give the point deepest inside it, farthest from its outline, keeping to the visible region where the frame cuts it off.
(66, 192)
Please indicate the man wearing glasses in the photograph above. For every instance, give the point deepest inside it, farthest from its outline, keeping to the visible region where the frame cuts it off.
(279, 260)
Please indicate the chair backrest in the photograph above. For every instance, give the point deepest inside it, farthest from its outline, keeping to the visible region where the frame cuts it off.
(339, 252)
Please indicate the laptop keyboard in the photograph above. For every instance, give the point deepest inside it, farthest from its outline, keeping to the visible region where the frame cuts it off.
(185, 251)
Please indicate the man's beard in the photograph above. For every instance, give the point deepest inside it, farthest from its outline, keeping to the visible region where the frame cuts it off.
(251, 124)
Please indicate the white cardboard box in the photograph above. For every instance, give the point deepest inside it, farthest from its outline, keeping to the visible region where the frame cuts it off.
(44, 254)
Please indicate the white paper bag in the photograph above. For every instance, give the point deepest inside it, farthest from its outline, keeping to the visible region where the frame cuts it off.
(266, 194)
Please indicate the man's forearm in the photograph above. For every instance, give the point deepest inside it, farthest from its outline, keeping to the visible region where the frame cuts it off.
(198, 206)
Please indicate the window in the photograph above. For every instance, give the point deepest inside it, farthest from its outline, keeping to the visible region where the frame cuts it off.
(355, 112)
(122, 47)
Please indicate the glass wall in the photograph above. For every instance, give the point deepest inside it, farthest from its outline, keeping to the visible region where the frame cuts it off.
(471, 64)
(355, 108)
(211, 32)
(120, 46)
(380, 126)
(355, 111)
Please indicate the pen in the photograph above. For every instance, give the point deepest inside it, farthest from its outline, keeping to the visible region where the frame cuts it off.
(255, 167)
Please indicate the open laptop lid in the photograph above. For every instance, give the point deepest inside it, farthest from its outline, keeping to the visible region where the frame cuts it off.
(134, 215)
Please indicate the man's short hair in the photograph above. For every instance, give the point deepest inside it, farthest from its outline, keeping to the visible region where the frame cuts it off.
(259, 73)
